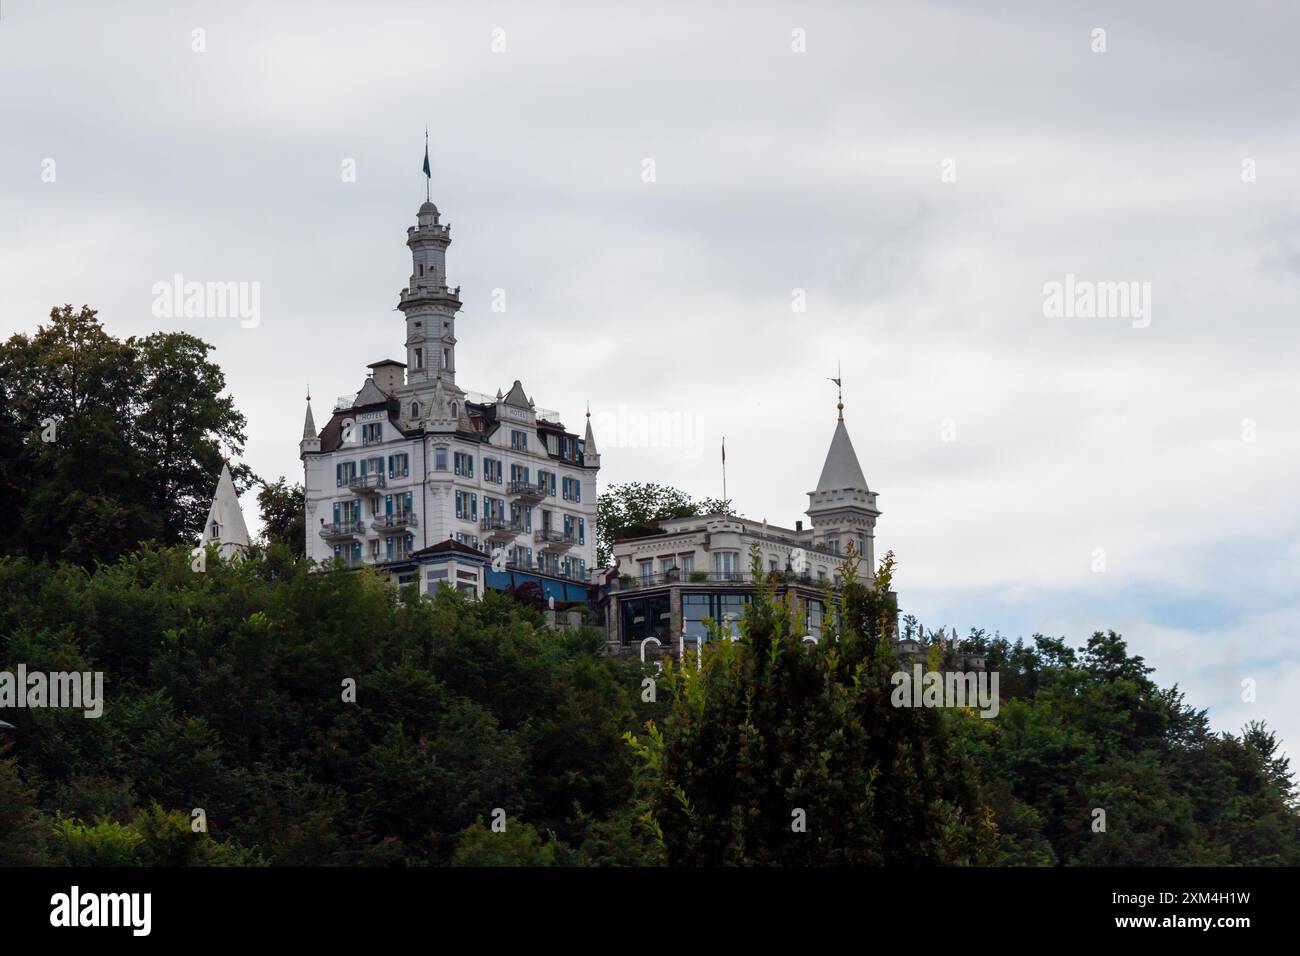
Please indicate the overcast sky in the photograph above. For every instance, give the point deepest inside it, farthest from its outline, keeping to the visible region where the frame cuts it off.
(920, 170)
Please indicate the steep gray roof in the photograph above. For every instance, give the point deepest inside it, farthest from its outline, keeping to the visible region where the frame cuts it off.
(225, 511)
(841, 469)
(516, 396)
(309, 426)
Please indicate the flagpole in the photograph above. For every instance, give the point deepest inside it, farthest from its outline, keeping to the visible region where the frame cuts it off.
(724, 471)
(427, 176)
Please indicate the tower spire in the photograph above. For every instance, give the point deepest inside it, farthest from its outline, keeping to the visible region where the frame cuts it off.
(839, 384)
(590, 456)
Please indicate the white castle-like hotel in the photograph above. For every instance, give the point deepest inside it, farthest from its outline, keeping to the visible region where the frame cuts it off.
(419, 476)
(442, 487)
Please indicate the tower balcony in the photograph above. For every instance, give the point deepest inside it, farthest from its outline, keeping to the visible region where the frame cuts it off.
(526, 491)
(370, 484)
(342, 530)
(500, 529)
(553, 540)
(424, 292)
(395, 521)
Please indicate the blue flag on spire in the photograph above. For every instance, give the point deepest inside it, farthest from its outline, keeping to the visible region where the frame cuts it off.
(427, 173)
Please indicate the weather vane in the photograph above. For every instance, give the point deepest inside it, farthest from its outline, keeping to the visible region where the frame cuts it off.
(839, 384)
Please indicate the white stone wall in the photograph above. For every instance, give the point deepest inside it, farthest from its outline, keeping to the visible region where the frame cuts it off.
(433, 492)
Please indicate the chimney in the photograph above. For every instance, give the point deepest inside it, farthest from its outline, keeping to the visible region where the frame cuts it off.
(387, 375)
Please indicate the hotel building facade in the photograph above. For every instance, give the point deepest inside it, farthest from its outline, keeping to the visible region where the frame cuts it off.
(667, 584)
(442, 486)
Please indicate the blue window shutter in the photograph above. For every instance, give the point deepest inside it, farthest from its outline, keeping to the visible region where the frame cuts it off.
(582, 531)
(337, 516)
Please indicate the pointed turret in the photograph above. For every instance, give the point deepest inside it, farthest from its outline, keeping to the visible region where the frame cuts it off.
(843, 509)
(225, 526)
(310, 443)
(590, 455)
(841, 470)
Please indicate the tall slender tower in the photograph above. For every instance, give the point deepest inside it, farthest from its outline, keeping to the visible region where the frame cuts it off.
(429, 305)
(843, 509)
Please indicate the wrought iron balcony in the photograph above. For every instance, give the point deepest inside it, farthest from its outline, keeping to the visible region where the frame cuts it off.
(342, 529)
(395, 521)
(554, 540)
(397, 554)
(526, 491)
(501, 529)
(369, 484)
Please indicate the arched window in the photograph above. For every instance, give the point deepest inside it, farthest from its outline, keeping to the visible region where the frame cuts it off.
(415, 409)
(216, 531)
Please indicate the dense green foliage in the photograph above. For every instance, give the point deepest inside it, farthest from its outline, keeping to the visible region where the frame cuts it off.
(225, 692)
(283, 508)
(630, 510)
(106, 443)
(271, 713)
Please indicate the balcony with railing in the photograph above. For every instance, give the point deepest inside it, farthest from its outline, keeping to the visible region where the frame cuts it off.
(526, 491)
(368, 484)
(342, 529)
(674, 576)
(401, 553)
(500, 529)
(395, 521)
(554, 540)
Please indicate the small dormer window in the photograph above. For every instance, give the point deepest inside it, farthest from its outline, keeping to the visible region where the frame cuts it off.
(415, 409)
(215, 531)
(419, 358)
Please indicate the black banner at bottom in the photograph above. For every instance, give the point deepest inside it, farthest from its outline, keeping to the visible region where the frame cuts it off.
(331, 906)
